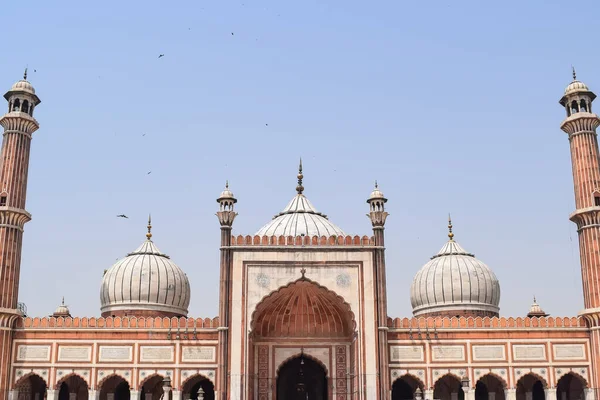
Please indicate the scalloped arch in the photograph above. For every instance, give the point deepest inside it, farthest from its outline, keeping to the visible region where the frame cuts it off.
(70, 375)
(576, 376)
(308, 356)
(536, 376)
(496, 376)
(111, 375)
(28, 375)
(146, 379)
(303, 308)
(192, 377)
(447, 374)
(412, 376)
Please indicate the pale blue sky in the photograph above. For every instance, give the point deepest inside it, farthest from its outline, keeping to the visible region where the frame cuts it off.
(452, 106)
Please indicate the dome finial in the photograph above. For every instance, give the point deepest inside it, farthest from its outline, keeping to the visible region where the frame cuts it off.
(149, 234)
(25, 74)
(300, 188)
(227, 184)
(574, 73)
(376, 185)
(450, 234)
(63, 301)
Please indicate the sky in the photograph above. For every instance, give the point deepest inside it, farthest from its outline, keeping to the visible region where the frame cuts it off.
(451, 105)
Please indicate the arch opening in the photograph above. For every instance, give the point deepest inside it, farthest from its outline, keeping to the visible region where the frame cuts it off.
(531, 387)
(72, 387)
(192, 387)
(448, 387)
(570, 387)
(115, 388)
(303, 309)
(152, 388)
(302, 378)
(404, 388)
(31, 387)
(490, 387)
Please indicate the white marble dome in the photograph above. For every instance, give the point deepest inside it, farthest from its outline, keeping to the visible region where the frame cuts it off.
(576, 86)
(300, 218)
(24, 86)
(145, 280)
(454, 281)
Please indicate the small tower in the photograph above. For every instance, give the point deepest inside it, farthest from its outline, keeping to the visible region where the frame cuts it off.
(378, 215)
(535, 310)
(226, 215)
(19, 125)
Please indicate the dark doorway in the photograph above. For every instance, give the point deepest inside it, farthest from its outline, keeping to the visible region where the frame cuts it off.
(193, 385)
(302, 378)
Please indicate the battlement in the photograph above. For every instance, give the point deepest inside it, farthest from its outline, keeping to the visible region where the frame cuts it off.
(117, 322)
(486, 322)
(302, 241)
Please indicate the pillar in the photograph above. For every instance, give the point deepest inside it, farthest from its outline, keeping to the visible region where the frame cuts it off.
(14, 395)
(528, 395)
(72, 396)
(110, 396)
(510, 394)
(134, 394)
(469, 394)
(454, 396)
(148, 396)
(491, 395)
(428, 394)
(51, 394)
(94, 394)
(589, 394)
(176, 395)
(550, 394)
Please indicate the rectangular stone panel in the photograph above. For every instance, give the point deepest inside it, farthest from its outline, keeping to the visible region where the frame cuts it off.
(156, 353)
(406, 353)
(33, 352)
(447, 353)
(115, 353)
(75, 353)
(488, 352)
(198, 353)
(569, 351)
(527, 352)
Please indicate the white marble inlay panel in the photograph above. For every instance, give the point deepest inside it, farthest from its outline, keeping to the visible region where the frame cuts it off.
(75, 353)
(116, 353)
(27, 352)
(569, 351)
(447, 353)
(198, 353)
(488, 352)
(156, 353)
(528, 352)
(406, 353)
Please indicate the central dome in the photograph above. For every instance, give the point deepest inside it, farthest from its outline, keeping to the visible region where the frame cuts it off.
(455, 283)
(300, 218)
(145, 283)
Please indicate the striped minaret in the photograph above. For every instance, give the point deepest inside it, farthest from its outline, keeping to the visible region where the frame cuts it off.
(18, 126)
(581, 125)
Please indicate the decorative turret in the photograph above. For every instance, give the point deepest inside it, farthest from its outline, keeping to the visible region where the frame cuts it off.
(62, 310)
(377, 204)
(535, 310)
(226, 214)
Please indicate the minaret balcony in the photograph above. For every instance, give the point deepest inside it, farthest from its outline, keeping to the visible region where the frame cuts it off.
(586, 217)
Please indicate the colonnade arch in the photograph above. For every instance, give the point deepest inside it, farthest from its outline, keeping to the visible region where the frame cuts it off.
(531, 387)
(571, 387)
(72, 387)
(448, 387)
(190, 388)
(490, 387)
(404, 387)
(31, 387)
(114, 387)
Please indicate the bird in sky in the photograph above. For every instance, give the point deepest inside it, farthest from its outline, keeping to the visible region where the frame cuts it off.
(149, 172)
(266, 124)
(143, 134)
(162, 55)
(231, 33)
(122, 216)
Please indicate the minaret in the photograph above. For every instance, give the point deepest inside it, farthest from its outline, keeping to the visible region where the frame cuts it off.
(18, 126)
(226, 215)
(378, 215)
(581, 125)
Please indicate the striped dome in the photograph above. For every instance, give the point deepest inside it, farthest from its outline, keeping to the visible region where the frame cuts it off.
(145, 280)
(300, 218)
(455, 282)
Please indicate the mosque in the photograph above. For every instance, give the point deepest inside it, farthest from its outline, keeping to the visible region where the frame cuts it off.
(302, 308)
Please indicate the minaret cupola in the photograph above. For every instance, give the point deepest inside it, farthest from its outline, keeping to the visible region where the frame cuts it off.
(21, 97)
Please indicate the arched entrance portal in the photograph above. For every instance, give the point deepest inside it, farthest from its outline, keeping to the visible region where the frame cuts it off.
(302, 379)
(31, 388)
(72, 387)
(530, 387)
(448, 387)
(570, 387)
(404, 388)
(193, 385)
(114, 388)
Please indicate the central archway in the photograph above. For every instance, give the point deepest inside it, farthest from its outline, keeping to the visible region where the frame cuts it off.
(302, 378)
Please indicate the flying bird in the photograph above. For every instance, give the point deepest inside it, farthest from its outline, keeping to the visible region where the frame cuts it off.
(122, 216)
(231, 33)
(143, 134)
(266, 124)
(149, 172)
(162, 55)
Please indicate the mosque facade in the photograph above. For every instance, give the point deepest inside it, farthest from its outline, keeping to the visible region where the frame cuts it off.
(302, 308)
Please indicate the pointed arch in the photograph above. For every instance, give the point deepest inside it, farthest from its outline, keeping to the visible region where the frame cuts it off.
(303, 308)
(72, 383)
(115, 385)
(302, 376)
(298, 355)
(490, 386)
(531, 386)
(151, 387)
(447, 387)
(534, 376)
(405, 386)
(500, 379)
(109, 376)
(69, 376)
(148, 378)
(571, 386)
(28, 375)
(192, 384)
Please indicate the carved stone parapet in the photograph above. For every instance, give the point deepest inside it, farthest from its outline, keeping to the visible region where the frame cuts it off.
(12, 217)
(580, 122)
(8, 317)
(377, 218)
(226, 217)
(586, 217)
(19, 122)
